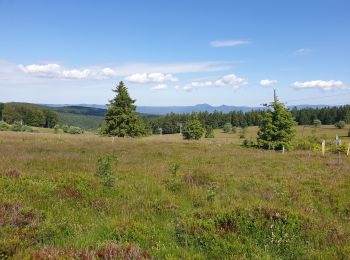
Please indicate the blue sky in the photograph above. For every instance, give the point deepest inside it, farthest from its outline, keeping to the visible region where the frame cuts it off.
(175, 52)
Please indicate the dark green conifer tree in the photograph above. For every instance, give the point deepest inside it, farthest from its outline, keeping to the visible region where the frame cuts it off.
(276, 127)
(121, 117)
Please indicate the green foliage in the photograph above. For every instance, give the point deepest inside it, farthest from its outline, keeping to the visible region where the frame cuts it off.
(216, 119)
(248, 143)
(74, 130)
(276, 128)
(264, 232)
(29, 114)
(121, 117)
(242, 133)
(317, 123)
(17, 127)
(65, 128)
(87, 122)
(209, 132)
(104, 170)
(227, 128)
(56, 128)
(4, 126)
(340, 125)
(307, 143)
(193, 130)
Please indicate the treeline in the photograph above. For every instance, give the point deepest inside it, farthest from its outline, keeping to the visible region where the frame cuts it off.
(170, 123)
(327, 115)
(28, 114)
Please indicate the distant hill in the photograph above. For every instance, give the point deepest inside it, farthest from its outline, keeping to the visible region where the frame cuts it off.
(163, 110)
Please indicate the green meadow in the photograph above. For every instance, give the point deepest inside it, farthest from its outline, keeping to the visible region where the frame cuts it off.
(171, 198)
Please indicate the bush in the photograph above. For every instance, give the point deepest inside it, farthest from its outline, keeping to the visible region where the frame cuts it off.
(104, 170)
(317, 123)
(74, 130)
(209, 132)
(65, 128)
(242, 133)
(56, 129)
(227, 128)
(26, 128)
(340, 124)
(193, 130)
(4, 126)
(16, 127)
(248, 143)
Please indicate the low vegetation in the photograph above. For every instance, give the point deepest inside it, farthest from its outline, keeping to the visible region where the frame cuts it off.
(81, 196)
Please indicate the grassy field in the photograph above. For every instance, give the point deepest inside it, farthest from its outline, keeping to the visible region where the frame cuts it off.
(171, 198)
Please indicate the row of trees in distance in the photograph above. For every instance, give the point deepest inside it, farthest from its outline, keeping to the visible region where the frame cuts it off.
(28, 114)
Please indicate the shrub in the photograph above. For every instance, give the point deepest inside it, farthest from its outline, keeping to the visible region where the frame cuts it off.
(242, 133)
(56, 128)
(74, 130)
(104, 170)
(227, 128)
(65, 128)
(16, 127)
(340, 124)
(209, 133)
(4, 126)
(248, 143)
(26, 128)
(193, 130)
(317, 123)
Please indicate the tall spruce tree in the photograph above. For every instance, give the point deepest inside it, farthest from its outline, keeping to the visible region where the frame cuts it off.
(121, 117)
(276, 127)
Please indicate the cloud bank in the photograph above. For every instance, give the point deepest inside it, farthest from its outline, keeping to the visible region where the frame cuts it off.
(320, 84)
(230, 80)
(150, 77)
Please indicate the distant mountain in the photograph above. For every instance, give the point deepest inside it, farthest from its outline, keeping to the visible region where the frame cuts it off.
(163, 110)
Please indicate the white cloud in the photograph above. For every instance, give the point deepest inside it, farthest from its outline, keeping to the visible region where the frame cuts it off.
(302, 51)
(321, 84)
(159, 87)
(230, 80)
(109, 72)
(35, 68)
(75, 74)
(151, 77)
(267, 82)
(42, 73)
(228, 43)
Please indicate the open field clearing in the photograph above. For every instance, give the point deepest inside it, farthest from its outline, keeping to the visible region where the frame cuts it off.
(171, 198)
